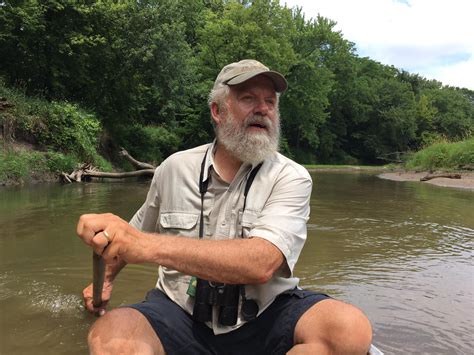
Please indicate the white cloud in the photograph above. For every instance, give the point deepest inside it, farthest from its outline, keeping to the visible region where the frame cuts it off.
(433, 38)
(460, 74)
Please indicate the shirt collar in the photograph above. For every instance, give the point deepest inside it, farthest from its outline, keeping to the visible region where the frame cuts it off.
(209, 163)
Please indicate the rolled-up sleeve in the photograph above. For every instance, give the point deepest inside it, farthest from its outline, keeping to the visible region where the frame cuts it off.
(283, 219)
(146, 217)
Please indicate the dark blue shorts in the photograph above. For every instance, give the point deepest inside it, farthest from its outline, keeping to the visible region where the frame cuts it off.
(270, 333)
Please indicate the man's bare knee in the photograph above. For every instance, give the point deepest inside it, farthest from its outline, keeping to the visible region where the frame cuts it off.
(123, 331)
(338, 326)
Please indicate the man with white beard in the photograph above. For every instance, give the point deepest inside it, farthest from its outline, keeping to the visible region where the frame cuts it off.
(226, 223)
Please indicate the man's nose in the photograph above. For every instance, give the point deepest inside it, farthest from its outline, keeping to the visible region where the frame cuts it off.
(261, 107)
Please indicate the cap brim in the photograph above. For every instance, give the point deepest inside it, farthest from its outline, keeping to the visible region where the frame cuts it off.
(278, 80)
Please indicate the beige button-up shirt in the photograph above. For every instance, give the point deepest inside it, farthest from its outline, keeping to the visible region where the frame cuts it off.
(277, 210)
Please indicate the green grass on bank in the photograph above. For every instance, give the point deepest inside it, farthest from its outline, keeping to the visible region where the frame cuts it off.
(54, 126)
(23, 166)
(40, 139)
(20, 165)
(443, 156)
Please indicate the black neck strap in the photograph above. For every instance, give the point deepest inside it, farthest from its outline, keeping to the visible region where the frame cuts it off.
(249, 183)
(202, 189)
(203, 185)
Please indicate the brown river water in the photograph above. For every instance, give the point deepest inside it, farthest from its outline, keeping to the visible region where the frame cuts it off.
(401, 251)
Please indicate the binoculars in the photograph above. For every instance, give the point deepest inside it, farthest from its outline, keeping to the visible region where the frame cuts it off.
(209, 294)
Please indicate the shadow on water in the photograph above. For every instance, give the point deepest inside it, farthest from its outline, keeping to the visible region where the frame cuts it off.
(400, 251)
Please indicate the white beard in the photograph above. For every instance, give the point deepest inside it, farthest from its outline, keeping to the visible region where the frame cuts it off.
(247, 146)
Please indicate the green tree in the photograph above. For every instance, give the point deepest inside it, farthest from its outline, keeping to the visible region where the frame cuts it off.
(241, 30)
(305, 106)
(454, 112)
(381, 114)
(145, 68)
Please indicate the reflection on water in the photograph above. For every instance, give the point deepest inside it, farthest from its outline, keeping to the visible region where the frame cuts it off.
(400, 251)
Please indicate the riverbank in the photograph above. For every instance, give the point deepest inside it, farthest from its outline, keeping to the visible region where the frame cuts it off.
(465, 182)
(390, 172)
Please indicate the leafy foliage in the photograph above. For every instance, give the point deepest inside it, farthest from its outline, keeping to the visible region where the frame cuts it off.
(145, 68)
(60, 127)
(58, 162)
(21, 165)
(148, 143)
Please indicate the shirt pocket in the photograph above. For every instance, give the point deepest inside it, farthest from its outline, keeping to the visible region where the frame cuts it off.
(247, 221)
(179, 223)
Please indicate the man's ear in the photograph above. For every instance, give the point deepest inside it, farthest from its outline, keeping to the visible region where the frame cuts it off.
(216, 113)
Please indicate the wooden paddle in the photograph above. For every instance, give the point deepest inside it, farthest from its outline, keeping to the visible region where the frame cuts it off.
(98, 269)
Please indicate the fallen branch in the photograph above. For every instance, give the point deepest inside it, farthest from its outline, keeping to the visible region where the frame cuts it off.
(434, 176)
(101, 174)
(77, 174)
(87, 171)
(137, 164)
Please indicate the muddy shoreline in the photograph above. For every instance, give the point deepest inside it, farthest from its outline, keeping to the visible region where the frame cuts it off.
(466, 181)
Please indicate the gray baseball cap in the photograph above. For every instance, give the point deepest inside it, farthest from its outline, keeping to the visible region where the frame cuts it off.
(239, 72)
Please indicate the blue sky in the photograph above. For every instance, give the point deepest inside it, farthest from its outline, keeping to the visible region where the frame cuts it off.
(433, 38)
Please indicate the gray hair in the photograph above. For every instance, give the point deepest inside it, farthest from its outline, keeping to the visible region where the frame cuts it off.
(218, 95)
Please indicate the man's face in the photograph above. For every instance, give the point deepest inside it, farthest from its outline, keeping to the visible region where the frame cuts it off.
(256, 96)
(250, 126)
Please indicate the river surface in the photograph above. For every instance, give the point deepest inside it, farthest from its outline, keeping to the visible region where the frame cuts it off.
(401, 251)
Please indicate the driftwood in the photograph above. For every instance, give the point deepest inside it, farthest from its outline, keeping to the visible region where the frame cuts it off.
(434, 176)
(86, 171)
(142, 172)
(137, 164)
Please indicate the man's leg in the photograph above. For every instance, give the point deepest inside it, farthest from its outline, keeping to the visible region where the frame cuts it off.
(123, 331)
(332, 327)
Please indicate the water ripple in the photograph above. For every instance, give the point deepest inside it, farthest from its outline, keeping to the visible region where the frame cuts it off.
(39, 296)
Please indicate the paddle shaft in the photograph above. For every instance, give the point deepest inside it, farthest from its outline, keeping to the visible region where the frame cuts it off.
(98, 269)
